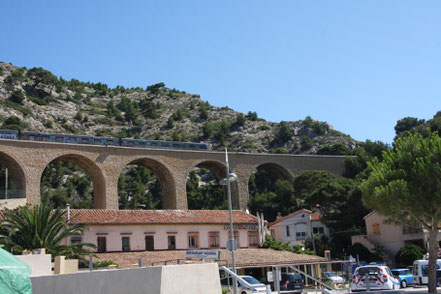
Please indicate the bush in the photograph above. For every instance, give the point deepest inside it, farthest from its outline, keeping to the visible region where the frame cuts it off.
(406, 255)
(263, 128)
(306, 143)
(284, 133)
(252, 115)
(13, 123)
(280, 150)
(18, 96)
(240, 120)
(336, 149)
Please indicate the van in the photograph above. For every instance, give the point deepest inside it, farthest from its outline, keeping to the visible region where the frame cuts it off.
(420, 270)
(379, 277)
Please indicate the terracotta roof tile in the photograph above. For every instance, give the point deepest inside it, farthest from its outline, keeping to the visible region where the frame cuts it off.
(243, 257)
(106, 216)
(289, 215)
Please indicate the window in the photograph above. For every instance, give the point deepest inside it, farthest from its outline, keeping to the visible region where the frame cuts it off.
(273, 234)
(76, 239)
(125, 242)
(318, 230)
(376, 228)
(102, 244)
(300, 232)
(213, 239)
(171, 242)
(253, 239)
(193, 240)
(149, 243)
(287, 231)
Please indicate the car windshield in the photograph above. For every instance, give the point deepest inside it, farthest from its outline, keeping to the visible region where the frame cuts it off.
(294, 277)
(251, 280)
(329, 274)
(369, 270)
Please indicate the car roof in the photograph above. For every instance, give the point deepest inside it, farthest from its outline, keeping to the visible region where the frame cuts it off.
(400, 269)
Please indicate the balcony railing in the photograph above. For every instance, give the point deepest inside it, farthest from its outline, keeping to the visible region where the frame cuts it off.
(12, 194)
(410, 230)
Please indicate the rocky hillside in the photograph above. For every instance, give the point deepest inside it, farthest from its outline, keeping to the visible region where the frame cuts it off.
(35, 99)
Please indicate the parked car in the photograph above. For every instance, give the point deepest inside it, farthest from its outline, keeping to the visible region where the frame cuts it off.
(291, 282)
(334, 278)
(227, 283)
(404, 276)
(379, 277)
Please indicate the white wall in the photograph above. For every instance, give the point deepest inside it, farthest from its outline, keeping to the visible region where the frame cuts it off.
(174, 279)
(40, 263)
(138, 233)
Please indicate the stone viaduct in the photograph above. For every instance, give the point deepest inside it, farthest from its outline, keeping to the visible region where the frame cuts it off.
(26, 161)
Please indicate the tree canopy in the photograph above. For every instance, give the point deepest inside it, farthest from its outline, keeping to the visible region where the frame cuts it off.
(406, 186)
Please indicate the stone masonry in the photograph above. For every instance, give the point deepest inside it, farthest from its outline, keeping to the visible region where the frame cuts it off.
(26, 161)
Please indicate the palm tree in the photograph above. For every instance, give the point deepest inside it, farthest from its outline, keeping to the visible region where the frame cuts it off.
(40, 226)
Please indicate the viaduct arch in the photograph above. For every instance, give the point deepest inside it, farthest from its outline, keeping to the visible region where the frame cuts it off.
(27, 161)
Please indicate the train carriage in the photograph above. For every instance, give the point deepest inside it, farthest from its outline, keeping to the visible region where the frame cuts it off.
(125, 142)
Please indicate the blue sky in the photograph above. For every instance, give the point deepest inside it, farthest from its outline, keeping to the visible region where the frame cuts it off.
(359, 65)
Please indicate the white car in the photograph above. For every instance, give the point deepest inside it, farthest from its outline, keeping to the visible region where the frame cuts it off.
(334, 278)
(379, 278)
(226, 283)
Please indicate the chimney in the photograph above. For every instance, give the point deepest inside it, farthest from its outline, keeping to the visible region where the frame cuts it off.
(68, 211)
(279, 215)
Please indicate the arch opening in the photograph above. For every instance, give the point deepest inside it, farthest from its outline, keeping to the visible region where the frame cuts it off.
(75, 180)
(146, 184)
(271, 191)
(12, 178)
(203, 188)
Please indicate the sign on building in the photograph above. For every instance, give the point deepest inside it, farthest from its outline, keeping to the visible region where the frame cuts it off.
(202, 254)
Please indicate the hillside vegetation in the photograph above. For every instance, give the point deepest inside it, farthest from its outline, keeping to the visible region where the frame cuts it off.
(35, 99)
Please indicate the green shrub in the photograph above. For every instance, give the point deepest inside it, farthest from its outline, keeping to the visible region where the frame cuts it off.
(240, 120)
(306, 143)
(263, 128)
(336, 149)
(252, 116)
(16, 106)
(406, 255)
(48, 124)
(284, 133)
(14, 123)
(280, 150)
(18, 96)
(170, 122)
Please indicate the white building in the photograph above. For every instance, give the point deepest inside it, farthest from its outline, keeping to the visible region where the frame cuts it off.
(139, 230)
(297, 226)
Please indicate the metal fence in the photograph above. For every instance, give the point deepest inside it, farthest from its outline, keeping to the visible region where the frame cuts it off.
(12, 194)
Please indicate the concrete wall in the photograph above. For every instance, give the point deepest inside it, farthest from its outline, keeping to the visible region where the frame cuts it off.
(137, 233)
(175, 279)
(40, 263)
(12, 203)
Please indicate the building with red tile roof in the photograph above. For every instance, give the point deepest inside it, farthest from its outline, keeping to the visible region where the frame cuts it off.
(139, 230)
(297, 226)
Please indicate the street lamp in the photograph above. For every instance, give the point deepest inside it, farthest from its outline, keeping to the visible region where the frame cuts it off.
(231, 177)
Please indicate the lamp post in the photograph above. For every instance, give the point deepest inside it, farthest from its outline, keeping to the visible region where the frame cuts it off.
(231, 177)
